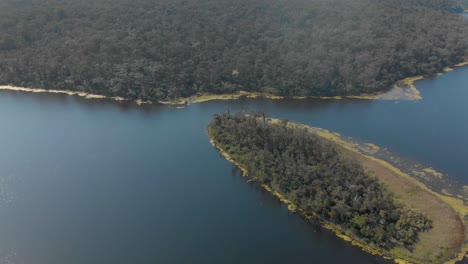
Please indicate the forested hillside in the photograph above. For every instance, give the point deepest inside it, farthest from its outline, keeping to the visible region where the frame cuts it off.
(317, 177)
(163, 49)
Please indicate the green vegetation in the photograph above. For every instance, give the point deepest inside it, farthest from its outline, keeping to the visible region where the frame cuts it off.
(166, 49)
(318, 178)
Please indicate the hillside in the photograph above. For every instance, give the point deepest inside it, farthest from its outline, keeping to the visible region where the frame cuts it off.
(158, 50)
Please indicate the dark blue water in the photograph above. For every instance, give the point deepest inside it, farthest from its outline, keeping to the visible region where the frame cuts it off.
(101, 182)
(432, 131)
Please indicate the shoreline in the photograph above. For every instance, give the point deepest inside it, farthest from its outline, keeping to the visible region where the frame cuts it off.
(293, 208)
(450, 204)
(401, 90)
(67, 92)
(457, 202)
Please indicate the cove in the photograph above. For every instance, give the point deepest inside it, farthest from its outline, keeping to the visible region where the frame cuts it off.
(95, 181)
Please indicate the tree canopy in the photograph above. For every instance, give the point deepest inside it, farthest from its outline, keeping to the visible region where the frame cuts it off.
(318, 177)
(163, 49)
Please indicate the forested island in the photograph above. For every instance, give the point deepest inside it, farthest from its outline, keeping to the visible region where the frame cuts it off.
(167, 49)
(319, 178)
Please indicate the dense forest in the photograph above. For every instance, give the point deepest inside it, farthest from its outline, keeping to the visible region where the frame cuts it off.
(164, 49)
(316, 176)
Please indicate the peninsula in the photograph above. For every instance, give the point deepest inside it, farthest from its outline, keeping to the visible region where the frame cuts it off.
(361, 198)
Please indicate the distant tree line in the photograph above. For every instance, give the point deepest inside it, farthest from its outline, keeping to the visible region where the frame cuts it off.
(316, 176)
(164, 49)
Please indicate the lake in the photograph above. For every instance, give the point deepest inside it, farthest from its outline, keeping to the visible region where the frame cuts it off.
(85, 181)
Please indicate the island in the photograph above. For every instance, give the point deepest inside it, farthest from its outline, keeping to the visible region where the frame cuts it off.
(361, 198)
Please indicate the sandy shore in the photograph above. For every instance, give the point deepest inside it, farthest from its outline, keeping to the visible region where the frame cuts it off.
(37, 90)
(402, 90)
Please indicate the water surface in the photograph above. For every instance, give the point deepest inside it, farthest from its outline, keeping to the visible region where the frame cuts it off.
(101, 182)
